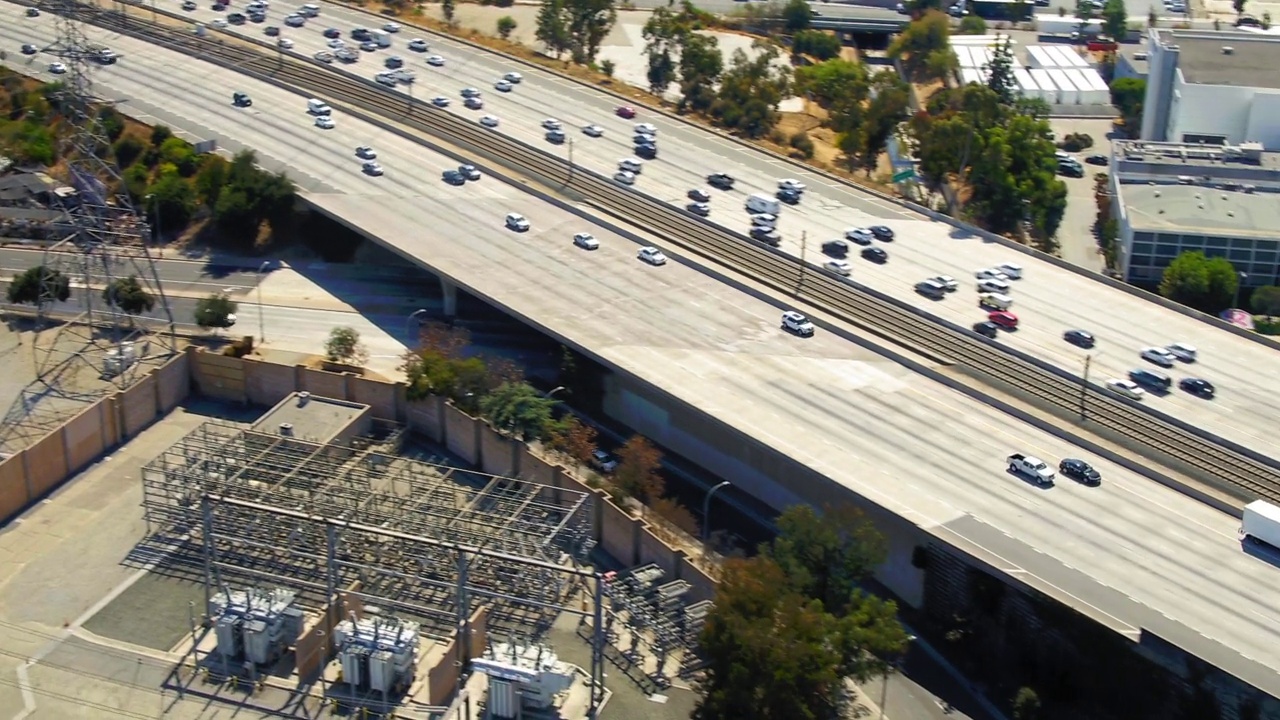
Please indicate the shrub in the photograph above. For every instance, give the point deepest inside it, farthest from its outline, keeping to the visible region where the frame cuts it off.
(802, 142)
(1075, 142)
(127, 150)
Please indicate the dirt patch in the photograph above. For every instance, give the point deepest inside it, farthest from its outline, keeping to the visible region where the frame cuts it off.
(925, 91)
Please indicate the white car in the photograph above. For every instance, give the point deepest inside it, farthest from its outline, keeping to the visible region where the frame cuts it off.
(57, 68)
(435, 61)
(219, 23)
(1013, 270)
(470, 172)
(646, 129)
(791, 184)
(625, 177)
(517, 222)
(473, 103)
(1160, 356)
(503, 86)
(993, 273)
(285, 43)
(992, 285)
(593, 131)
(469, 92)
(861, 236)
(489, 121)
(513, 77)
(1183, 351)
(603, 461)
(797, 323)
(551, 124)
(586, 241)
(764, 220)
(652, 255)
(405, 76)
(366, 152)
(337, 43)
(295, 20)
(440, 101)
(418, 45)
(391, 27)
(839, 267)
(1127, 388)
(947, 282)
(324, 56)
(372, 168)
(386, 78)
(325, 122)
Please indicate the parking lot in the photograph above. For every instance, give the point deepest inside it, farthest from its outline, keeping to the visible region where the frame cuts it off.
(1079, 246)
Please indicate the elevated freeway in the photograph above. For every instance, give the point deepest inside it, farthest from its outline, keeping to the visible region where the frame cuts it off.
(1131, 552)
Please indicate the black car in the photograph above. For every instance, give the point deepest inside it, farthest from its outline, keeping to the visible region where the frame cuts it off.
(700, 209)
(699, 195)
(768, 236)
(453, 177)
(219, 7)
(257, 17)
(724, 181)
(643, 139)
(875, 255)
(361, 34)
(30, 49)
(835, 248)
(788, 196)
(1081, 471)
(986, 328)
(241, 100)
(32, 12)
(189, 5)
(271, 31)
(882, 233)
(236, 19)
(1080, 338)
(1102, 160)
(332, 33)
(1196, 386)
(647, 152)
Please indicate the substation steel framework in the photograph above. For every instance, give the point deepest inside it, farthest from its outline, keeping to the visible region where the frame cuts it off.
(422, 540)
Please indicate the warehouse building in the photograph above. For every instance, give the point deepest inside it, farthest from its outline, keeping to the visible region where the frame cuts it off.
(1170, 198)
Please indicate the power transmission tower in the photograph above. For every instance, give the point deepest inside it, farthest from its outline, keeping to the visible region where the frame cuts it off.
(87, 347)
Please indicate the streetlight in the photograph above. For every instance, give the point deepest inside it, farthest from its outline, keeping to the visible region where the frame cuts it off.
(1235, 301)
(262, 326)
(706, 513)
(804, 237)
(1084, 384)
(553, 391)
(570, 181)
(150, 202)
(409, 322)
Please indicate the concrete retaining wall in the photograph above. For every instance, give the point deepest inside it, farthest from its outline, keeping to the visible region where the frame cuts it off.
(497, 453)
(461, 434)
(427, 417)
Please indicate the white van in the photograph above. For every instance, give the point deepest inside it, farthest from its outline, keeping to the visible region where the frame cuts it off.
(1013, 270)
(309, 10)
(631, 165)
(995, 301)
(761, 204)
(318, 107)
(382, 38)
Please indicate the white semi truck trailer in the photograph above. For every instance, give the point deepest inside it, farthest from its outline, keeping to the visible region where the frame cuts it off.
(1261, 523)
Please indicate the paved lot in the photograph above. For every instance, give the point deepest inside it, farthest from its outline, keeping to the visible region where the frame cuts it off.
(1079, 245)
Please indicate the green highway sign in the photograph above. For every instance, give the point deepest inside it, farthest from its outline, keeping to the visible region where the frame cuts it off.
(904, 175)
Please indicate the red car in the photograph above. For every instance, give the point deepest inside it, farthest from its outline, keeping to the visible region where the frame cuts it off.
(626, 111)
(1004, 319)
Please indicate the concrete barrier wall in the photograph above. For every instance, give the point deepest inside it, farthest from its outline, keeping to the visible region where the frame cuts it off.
(386, 399)
(460, 434)
(173, 384)
(46, 464)
(497, 453)
(218, 376)
(654, 550)
(321, 383)
(137, 405)
(13, 486)
(427, 417)
(618, 533)
(268, 383)
(703, 587)
(88, 435)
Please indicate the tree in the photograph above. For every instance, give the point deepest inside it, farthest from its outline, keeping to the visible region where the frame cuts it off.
(973, 25)
(1200, 282)
(607, 67)
(215, 311)
(890, 105)
(1001, 79)
(447, 9)
(160, 133)
(171, 200)
(827, 555)
(210, 179)
(552, 28)
(574, 438)
(506, 26)
(816, 43)
(589, 21)
(1026, 704)
(701, 65)
(128, 295)
(519, 410)
(1084, 13)
(834, 83)
(39, 285)
(1128, 95)
(796, 15)
(638, 465)
(924, 47)
(750, 91)
(664, 32)
(1115, 20)
(1239, 6)
(180, 154)
(1266, 300)
(344, 346)
(127, 150)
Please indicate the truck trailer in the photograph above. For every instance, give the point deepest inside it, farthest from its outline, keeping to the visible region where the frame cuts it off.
(1261, 523)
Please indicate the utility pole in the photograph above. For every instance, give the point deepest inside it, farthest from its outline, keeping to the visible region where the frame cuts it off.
(804, 239)
(570, 180)
(1084, 387)
(262, 324)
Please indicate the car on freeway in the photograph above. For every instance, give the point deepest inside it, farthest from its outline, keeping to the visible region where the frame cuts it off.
(791, 184)
(453, 177)
(440, 101)
(489, 121)
(555, 136)
(219, 23)
(1004, 319)
(1080, 338)
(647, 129)
(766, 235)
(699, 195)
(435, 61)
(231, 319)
(987, 328)
(699, 208)
(991, 285)
(991, 273)
(835, 248)
(503, 86)
(189, 6)
(1080, 471)
(33, 12)
(586, 241)
(788, 196)
(218, 6)
(603, 461)
(391, 27)
(57, 68)
(285, 43)
(721, 181)
(931, 289)
(764, 220)
(1197, 386)
(241, 100)
(470, 172)
(947, 282)
(295, 20)
(346, 55)
(1160, 356)
(882, 233)
(236, 18)
(839, 267)
(324, 56)
(640, 139)
(468, 92)
(371, 167)
(1184, 352)
(361, 34)
(551, 124)
(393, 62)
(29, 49)
(513, 77)
(404, 75)
(365, 152)
(387, 79)
(794, 322)
(593, 131)
(369, 46)
(517, 222)
(473, 103)
(418, 45)
(861, 236)
(1126, 388)
(875, 255)
(652, 255)
(324, 122)
(646, 152)
(625, 111)
(337, 43)
(624, 177)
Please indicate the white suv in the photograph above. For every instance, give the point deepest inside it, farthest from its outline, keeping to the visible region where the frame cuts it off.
(797, 323)
(586, 241)
(1159, 356)
(517, 222)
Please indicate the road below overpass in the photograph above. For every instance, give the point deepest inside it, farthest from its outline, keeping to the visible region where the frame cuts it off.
(1132, 551)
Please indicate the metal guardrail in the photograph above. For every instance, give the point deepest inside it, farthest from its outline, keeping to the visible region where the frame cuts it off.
(1247, 470)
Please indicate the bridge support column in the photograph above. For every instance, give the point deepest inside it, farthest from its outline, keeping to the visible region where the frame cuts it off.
(450, 298)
